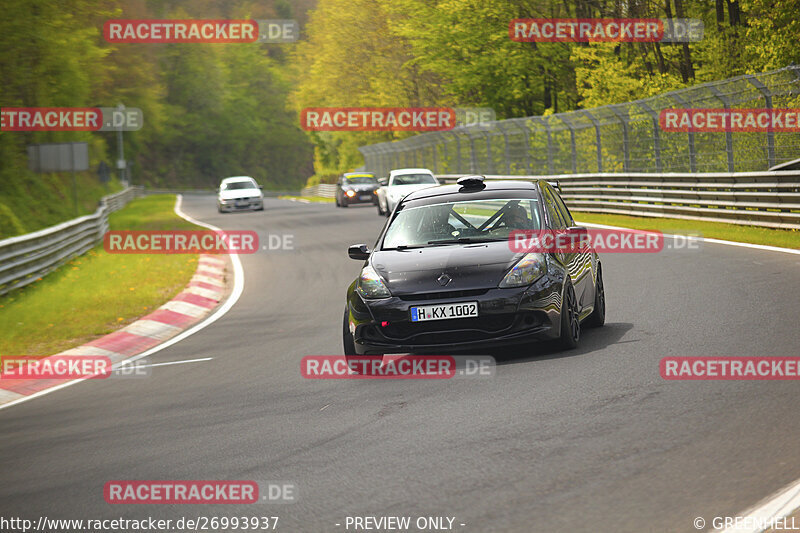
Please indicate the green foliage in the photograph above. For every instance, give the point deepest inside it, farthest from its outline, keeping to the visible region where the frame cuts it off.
(458, 53)
(210, 111)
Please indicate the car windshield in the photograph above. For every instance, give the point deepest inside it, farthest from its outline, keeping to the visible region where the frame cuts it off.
(413, 179)
(234, 185)
(360, 180)
(461, 222)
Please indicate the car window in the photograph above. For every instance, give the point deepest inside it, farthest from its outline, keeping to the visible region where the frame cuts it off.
(413, 179)
(556, 219)
(562, 208)
(360, 180)
(449, 222)
(236, 185)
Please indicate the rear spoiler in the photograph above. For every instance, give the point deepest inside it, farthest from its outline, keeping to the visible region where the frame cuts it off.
(554, 184)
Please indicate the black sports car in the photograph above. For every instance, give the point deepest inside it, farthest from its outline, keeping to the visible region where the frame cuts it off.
(443, 276)
(356, 188)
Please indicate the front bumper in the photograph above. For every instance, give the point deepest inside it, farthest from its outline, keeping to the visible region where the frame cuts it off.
(241, 205)
(360, 198)
(505, 317)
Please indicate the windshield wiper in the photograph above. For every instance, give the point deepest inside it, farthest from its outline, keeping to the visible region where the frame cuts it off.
(466, 240)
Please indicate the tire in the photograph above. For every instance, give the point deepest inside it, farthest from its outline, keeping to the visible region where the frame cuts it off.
(348, 343)
(336, 200)
(570, 321)
(598, 316)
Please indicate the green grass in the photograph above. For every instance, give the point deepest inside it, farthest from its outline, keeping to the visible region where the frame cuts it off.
(97, 293)
(315, 199)
(30, 202)
(715, 230)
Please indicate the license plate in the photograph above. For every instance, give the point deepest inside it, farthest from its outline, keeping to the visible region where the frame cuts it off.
(365, 197)
(242, 203)
(444, 312)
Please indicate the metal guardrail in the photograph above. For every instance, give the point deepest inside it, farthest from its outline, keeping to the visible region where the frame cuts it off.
(614, 138)
(766, 199)
(26, 258)
(324, 190)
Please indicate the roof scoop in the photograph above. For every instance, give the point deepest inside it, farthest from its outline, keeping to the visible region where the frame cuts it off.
(471, 182)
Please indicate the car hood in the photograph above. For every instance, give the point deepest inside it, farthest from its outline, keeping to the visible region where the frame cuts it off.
(398, 191)
(240, 193)
(471, 266)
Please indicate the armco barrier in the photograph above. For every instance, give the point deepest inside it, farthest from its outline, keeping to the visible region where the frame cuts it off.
(26, 258)
(766, 199)
(323, 190)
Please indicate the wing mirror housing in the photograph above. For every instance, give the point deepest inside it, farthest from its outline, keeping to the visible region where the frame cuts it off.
(360, 252)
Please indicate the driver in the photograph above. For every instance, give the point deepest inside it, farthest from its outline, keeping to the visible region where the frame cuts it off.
(438, 216)
(516, 217)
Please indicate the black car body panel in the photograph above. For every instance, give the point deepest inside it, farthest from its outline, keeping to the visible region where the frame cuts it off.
(472, 273)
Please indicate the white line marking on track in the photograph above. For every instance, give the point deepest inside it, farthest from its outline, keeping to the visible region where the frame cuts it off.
(708, 239)
(167, 363)
(238, 288)
(777, 506)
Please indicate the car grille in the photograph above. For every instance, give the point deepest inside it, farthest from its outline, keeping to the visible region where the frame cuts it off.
(441, 295)
(449, 331)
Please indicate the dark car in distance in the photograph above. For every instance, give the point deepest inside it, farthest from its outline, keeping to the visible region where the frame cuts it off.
(443, 277)
(356, 188)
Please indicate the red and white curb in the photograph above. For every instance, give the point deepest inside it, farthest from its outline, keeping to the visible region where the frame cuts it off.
(195, 308)
(203, 293)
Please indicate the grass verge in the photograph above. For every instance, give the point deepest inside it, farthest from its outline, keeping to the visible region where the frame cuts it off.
(714, 230)
(97, 293)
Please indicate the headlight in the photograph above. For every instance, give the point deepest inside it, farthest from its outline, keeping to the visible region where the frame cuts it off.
(370, 284)
(530, 268)
(351, 193)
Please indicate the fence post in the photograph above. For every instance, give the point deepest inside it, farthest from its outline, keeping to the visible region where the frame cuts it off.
(656, 134)
(765, 92)
(489, 154)
(473, 158)
(525, 136)
(572, 142)
(626, 162)
(728, 133)
(506, 152)
(692, 153)
(597, 139)
(546, 125)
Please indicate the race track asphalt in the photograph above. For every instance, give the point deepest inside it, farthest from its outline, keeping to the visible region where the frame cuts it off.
(587, 440)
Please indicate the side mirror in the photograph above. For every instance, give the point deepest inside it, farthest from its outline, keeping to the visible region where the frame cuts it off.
(359, 252)
(579, 236)
(383, 181)
(260, 186)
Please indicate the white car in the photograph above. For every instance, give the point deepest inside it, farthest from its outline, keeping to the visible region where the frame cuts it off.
(239, 193)
(401, 182)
